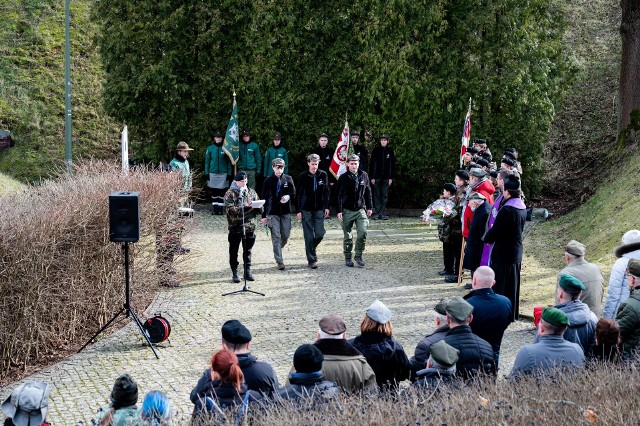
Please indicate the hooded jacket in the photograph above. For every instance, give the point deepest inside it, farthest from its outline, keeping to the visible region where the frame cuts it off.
(309, 385)
(385, 355)
(618, 290)
(582, 325)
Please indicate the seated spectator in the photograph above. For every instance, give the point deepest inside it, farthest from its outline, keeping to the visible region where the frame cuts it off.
(419, 360)
(618, 290)
(259, 376)
(343, 364)
(551, 350)
(628, 317)
(27, 405)
(227, 388)
(589, 274)
(441, 367)
(123, 410)
(492, 313)
(383, 353)
(308, 379)
(476, 355)
(156, 409)
(582, 322)
(607, 347)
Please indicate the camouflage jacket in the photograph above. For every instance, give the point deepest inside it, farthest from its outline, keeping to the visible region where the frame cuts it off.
(234, 207)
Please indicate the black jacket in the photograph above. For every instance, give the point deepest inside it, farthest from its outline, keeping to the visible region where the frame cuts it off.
(354, 192)
(383, 163)
(308, 385)
(476, 354)
(259, 376)
(312, 191)
(423, 350)
(326, 155)
(506, 234)
(271, 195)
(385, 356)
(475, 245)
(430, 378)
(362, 152)
(492, 314)
(225, 395)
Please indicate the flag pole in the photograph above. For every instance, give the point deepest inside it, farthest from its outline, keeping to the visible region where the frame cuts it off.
(235, 164)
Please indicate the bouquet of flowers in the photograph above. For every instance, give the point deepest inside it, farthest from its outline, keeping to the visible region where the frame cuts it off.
(439, 210)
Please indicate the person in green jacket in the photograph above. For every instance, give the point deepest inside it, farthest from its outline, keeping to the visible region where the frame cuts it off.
(250, 159)
(628, 316)
(217, 169)
(179, 163)
(273, 152)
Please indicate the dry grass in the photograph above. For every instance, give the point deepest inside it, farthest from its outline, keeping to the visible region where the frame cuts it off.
(60, 276)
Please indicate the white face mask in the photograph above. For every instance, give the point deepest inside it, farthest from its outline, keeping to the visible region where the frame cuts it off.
(473, 209)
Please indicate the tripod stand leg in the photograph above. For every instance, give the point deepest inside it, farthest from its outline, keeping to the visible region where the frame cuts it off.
(146, 337)
(102, 329)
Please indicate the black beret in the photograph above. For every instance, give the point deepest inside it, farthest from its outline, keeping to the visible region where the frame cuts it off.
(486, 155)
(307, 359)
(472, 150)
(508, 161)
(482, 162)
(240, 176)
(511, 182)
(462, 174)
(450, 187)
(234, 332)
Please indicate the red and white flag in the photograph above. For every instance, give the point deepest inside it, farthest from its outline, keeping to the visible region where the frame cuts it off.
(339, 162)
(466, 133)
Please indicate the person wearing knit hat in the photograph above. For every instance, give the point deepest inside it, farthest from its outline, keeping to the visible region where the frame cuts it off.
(124, 397)
(583, 322)
(423, 349)
(241, 204)
(441, 367)
(382, 351)
(628, 316)
(618, 290)
(550, 351)
(587, 273)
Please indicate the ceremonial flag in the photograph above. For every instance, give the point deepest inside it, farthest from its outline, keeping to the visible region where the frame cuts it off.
(339, 162)
(231, 145)
(124, 138)
(466, 133)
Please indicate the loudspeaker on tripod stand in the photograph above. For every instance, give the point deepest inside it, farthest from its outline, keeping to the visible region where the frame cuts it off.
(124, 217)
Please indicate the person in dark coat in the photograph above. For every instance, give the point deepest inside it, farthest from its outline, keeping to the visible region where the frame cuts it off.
(419, 360)
(506, 237)
(258, 376)
(383, 168)
(473, 249)
(227, 388)
(385, 355)
(441, 367)
(607, 347)
(360, 150)
(308, 379)
(492, 313)
(476, 355)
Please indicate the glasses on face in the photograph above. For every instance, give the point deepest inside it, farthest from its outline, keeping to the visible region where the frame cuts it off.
(279, 167)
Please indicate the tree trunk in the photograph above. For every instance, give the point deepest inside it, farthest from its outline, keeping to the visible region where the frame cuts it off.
(630, 67)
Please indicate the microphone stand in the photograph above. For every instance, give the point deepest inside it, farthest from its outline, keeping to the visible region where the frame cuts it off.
(245, 288)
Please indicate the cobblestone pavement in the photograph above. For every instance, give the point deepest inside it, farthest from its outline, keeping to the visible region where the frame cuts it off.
(402, 258)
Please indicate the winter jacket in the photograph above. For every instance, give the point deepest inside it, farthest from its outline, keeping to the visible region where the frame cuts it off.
(271, 194)
(273, 153)
(124, 416)
(181, 164)
(383, 163)
(589, 274)
(225, 395)
(476, 354)
(354, 192)
(235, 204)
(484, 187)
(259, 376)
(326, 155)
(582, 325)
(308, 385)
(362, 152)
(618, 290)
(549, 352)
(432, 379)
(492, 314)
(385, 355)
(628, 318)
(423, 350)
(249, 156)
(474, 246)
(506, 234)
(345, 365)
(312, 191)
(217, 161)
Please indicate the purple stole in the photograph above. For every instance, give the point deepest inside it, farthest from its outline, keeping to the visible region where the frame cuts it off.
(514, 202)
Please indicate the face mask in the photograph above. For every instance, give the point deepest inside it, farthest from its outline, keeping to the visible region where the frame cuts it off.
(473, 209)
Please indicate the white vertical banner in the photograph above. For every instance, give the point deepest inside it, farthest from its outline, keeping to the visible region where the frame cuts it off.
(124, 139)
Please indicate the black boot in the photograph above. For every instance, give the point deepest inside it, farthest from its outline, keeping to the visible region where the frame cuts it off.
(247, 274)
(235, 277)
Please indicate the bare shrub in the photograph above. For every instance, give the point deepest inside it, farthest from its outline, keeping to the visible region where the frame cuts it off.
(60, 276)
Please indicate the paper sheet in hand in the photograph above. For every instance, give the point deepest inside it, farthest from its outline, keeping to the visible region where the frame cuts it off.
(257, 204)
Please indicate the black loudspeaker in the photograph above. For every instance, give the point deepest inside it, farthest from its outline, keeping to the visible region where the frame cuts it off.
(124, 217)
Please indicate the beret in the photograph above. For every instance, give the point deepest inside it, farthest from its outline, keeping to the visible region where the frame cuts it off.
(576, 248)
(234, 332)
(634, 267)
(240, 176)
(450, 187)
(477, 172)
(441, 306)
(378, 312)
(444, 354)
(571, 283)
(459, 309)
(555, 316)
(476, 196)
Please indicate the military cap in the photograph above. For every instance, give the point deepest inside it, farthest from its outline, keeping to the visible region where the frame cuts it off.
(575, 248)
(476, 196)
(452, 188)
(234, 332)
(555, 316)
(323, 135)
(482, 162)
(511, 182)
(385, 136)
(634, 267)
(444, 354)
(508, 161)
(353, 157)
(277, 162)
(459, 309)
(240, 176)
(486, 155)
(332, 324)
(479, 141)
(218, 133)
(509, 155)
(441, 306)
(462, 174)
(571, 283)
(477, 172)
(355, 133)
(472, 150)
(378, 312)
(276, 135)
(182, 146)
(246, 132)
(313, 157)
